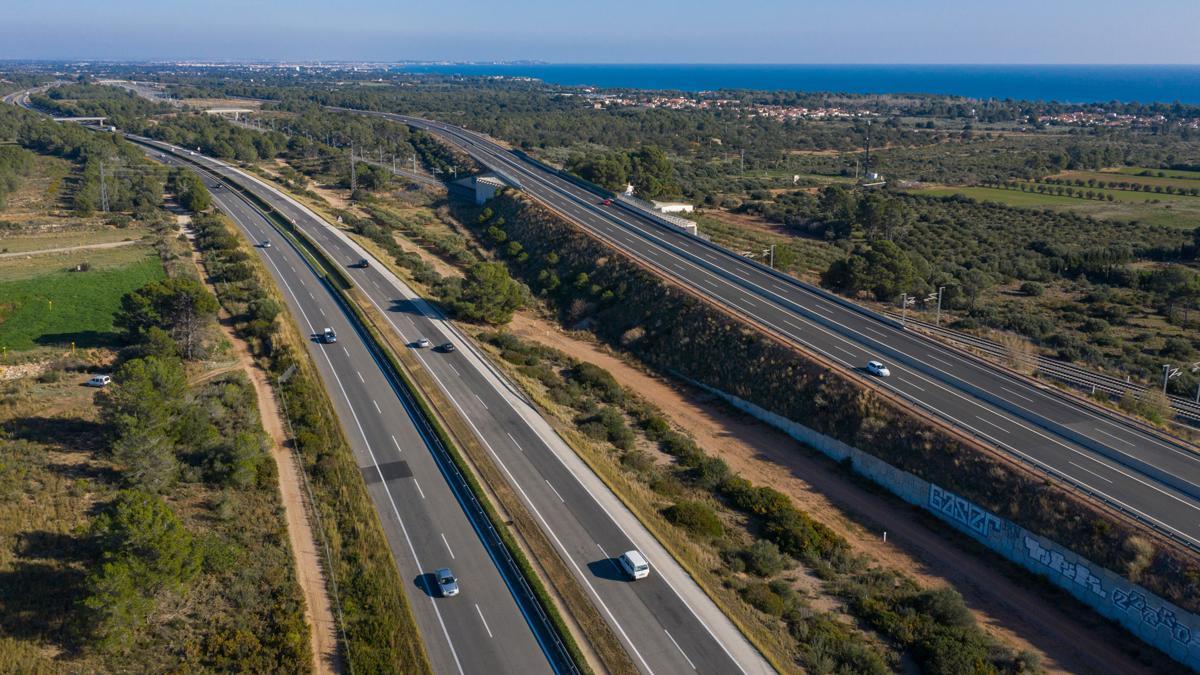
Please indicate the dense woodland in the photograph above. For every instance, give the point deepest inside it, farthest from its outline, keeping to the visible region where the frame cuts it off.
(131, 184)
(880, 244)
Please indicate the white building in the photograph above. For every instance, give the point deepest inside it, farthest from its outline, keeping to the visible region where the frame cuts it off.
(673, 207)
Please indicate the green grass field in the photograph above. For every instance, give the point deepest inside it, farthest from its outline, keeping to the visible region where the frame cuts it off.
(68, 238)
(1167, 173)
(58, 307)
(1152, 209)
(1110, 176)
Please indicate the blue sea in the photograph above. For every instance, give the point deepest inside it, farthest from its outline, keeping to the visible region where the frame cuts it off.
(1063, 83)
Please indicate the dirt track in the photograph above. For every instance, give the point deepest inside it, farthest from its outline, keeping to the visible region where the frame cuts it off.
(1069, 637)
(310, 574)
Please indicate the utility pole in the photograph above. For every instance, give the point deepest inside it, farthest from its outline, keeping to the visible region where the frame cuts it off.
(905, 301)
(1169, 373)
(937, 296)
(867, 161)
(742, 155)
(103, 189)
(414, 160)
(353, 172)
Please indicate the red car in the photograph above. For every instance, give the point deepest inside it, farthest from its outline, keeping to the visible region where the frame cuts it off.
(607, 202)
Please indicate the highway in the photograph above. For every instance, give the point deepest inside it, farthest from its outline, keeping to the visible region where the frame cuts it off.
(1147, 475)
(421, 506)
(666, 622)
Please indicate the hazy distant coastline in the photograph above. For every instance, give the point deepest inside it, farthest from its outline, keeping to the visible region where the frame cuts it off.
(1063, 83)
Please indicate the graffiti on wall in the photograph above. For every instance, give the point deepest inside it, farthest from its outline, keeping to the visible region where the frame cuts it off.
(1128, 599)
(1133, 601)
(1057, 562)
(956, 508)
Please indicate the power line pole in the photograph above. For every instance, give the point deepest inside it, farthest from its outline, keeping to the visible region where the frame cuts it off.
(103, 189)
(867, 161)
(353, 172)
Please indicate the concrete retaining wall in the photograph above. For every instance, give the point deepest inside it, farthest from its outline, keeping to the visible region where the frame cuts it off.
(1149, 617)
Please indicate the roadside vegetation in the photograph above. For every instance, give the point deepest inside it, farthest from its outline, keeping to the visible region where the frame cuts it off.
(587, 286)
(771, 565)
(142, 517)
(377, 619)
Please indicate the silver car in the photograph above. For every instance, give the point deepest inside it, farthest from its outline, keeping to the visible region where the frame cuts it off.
(447, 582)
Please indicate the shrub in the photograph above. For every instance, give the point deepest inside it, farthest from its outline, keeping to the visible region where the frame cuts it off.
(764, 558)
(762, 598)
(1033, 289)
(697, 518)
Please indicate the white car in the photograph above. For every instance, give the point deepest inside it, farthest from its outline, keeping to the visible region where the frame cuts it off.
(98, 381)
(877, 368)
(423, 343)
(634, 565)
(266, 243)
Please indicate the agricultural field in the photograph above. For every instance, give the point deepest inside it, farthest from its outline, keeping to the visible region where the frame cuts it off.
(62, 275)
(1140, 175)
(55, 307)
(1151, 208)
(1168, 173)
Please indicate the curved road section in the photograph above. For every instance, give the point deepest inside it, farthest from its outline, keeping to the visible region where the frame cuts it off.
(1147, 475)
(666, 621)
(425, 512)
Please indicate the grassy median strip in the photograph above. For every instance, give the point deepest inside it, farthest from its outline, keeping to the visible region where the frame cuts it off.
(380, 630)
(461, 440)
(600, 635)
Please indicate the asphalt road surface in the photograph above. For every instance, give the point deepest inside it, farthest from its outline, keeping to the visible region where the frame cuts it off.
(483, 629)
(666, 622)
(1153, 478)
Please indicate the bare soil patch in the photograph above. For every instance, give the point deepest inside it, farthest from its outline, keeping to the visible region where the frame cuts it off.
(307, 556)
(1017, 612)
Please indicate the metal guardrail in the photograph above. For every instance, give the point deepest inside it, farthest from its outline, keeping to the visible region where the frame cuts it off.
(460, 485)
(1065, 372)
(884, 317)
(1064, 479)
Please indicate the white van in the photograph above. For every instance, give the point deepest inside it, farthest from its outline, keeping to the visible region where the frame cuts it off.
(634, 565)
(98, 381)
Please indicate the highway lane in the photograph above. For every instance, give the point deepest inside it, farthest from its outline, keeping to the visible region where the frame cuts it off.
(1155, 479)
(482, 630)
(666, 622)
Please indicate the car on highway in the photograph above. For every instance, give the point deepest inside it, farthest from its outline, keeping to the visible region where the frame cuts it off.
(634, 565)
(363, 263)
(448, 347)
(328, 336)
(423, 343)
(266, 243)
(878, 369)
(98, 381)
(447, 582)
(606, 202)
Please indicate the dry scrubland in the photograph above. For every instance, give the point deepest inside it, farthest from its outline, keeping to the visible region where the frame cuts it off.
(236, 604)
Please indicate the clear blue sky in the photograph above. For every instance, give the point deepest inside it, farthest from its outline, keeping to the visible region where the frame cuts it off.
(613, 31)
